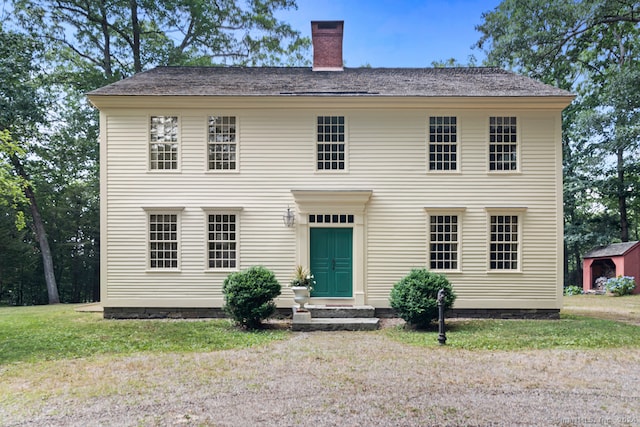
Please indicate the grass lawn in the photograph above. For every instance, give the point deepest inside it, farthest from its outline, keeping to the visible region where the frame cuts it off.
(586, 322)
(30, 334)
(626, 308)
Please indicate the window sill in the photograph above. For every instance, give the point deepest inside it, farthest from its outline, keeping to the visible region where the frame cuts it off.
(221, 270)
(444, 172)
(445, 271)
(516, 172)
(332, 171)
(504, 271)
(163, 270)
(221, 171)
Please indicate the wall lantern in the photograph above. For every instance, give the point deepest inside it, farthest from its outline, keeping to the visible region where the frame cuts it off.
(288, 218)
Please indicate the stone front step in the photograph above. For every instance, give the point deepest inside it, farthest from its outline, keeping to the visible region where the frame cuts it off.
(341, 311)
(336, 324)
(335, 318)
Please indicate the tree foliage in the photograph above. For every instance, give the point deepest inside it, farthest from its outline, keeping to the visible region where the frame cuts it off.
(61, 49)
(23, 106)
(592, 48)
(123, 37)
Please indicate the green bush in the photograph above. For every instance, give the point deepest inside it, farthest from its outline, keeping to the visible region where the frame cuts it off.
(415, 297)
(249, 295)
(573, 290)
(621, 285)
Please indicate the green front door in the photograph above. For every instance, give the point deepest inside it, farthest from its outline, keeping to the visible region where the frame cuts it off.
(331, 253)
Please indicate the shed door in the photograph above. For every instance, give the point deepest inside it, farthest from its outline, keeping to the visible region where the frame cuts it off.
(331, 253)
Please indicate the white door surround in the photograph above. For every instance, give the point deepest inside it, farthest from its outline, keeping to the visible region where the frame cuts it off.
(335, 202)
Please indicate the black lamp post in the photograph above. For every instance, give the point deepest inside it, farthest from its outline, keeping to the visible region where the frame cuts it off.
(442, 336)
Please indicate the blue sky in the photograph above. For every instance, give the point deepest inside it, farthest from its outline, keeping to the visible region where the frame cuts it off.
(398, 33)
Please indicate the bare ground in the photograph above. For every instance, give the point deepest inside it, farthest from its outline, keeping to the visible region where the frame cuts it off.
(331, 379)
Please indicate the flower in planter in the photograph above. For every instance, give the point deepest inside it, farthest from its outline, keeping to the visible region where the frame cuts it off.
(303, 277)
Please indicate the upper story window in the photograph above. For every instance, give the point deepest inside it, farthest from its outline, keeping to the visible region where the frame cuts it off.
(504, 246)
(331, 143)
(163, 142)
(503, 144)
(222, 143)
(443, 140)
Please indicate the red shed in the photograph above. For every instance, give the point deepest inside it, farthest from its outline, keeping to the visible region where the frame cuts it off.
(618, 259)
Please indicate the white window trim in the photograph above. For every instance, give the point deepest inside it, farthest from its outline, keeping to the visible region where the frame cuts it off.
(518, 211)
(179, 142)
(206, 146)
(158, 210)
(444, 210)
(347, 145)
(518, 170)
(230, 210)
(458, 169)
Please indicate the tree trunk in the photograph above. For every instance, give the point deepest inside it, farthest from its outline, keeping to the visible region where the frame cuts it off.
(622, 198)
(41, 235)
(135, 26)
(106, 50)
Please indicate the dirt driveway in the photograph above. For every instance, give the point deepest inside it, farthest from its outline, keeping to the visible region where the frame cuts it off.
(333, 379)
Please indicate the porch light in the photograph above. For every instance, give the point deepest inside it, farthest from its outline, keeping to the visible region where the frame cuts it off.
(288, 218)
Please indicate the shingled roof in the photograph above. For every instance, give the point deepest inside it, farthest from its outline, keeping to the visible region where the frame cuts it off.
(352, 82)
(615, 249)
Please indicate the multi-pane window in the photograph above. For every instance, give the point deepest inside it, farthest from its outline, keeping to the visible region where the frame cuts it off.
(443, 139)
(222, 240)
(163, 241)
(164, 142)
(503, 252)
(222, 143)
(331, 143)
(443, 242)
(503, 144)
(331, 219)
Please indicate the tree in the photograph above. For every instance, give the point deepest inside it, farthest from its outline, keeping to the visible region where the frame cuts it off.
(453, 63)
(90, 44)
(591, 47)
(123, 37)
(22, 111)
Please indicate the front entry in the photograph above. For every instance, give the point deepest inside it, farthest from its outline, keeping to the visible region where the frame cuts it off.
(331, 262)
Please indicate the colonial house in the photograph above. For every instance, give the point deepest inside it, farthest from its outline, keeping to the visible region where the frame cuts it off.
(375, 171)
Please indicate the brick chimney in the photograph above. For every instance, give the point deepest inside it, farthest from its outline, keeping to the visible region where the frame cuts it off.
(327, 45)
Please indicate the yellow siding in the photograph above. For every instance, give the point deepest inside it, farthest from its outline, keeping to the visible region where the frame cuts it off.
(387, 153)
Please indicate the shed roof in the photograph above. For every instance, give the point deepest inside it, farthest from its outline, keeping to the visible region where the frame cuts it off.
(615, 249)
(352, 82)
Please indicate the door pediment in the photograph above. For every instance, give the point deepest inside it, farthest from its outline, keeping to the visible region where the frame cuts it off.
(324, 201)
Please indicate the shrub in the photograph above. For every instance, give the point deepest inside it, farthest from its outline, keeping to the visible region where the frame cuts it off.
(573, 290)
(621, 285)
(249, 295)
(415, 297)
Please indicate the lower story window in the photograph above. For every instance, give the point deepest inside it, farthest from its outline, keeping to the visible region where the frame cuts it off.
(163, 241)
(503, 252)
(222, 240)
(443, 242)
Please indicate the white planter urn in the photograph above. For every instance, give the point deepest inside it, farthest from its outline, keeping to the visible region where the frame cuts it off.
(301, 296)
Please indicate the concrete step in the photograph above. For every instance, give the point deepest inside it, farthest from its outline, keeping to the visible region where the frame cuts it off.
(336, 324)
(341, 311)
